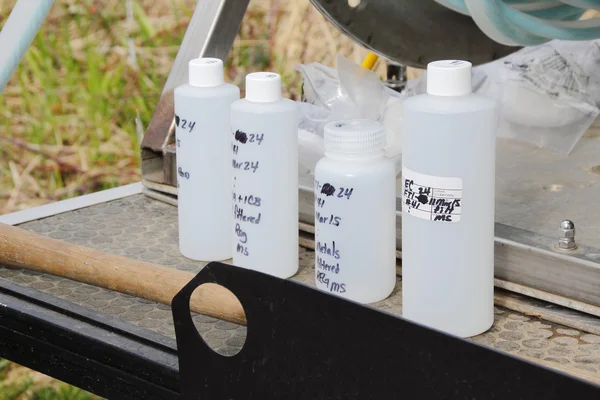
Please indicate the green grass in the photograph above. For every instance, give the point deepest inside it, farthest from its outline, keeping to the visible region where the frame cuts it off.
(71, 106)
(16, 383)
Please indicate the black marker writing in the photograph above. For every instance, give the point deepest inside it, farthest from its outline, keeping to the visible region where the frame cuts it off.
(238, 213)
(245, 165)
(345, 192)
(184, 124)
(240, 136)
(329, 219)
(183, 174)
(322, 264)
(241, 234)
(328, 190)
(250, 200)
(256, 138)
(324, 248)
(242, 249)
(333, 287)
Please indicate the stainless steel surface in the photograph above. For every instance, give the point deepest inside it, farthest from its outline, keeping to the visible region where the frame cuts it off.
(412, 32)
(566, 238)
(142, 228)
(210, 33)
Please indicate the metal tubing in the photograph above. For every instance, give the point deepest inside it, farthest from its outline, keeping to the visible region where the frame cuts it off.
(18, 32)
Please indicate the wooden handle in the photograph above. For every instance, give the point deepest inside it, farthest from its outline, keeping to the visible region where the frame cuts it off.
(28, 250)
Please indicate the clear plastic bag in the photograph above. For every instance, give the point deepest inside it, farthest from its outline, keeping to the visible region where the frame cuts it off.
(348, 92)
(544, 95)
(548, 94)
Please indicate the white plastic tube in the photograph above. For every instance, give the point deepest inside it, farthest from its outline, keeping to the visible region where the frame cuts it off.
(448, 150)
(202, 116)
(355, 213)
(265, 186)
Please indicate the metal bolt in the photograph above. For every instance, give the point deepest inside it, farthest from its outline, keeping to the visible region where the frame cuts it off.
(566, 238)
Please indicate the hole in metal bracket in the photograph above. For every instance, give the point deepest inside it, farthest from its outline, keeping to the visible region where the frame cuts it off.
(224, 338)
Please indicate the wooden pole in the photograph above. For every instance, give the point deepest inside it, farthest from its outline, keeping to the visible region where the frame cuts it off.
(28, 250)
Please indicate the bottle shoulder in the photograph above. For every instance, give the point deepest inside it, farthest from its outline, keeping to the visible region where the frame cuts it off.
(224, 90)
(450, 105)
(279, 106)
(356, 166)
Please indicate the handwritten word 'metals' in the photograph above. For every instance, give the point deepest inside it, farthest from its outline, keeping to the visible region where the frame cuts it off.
(324, 248)
(245, 165)
(184, 124)
(238, 213)
(333, 287)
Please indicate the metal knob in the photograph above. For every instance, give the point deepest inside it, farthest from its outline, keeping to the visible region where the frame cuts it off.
(566, 238)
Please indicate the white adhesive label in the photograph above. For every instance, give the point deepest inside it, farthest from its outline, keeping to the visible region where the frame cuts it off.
(435, 198)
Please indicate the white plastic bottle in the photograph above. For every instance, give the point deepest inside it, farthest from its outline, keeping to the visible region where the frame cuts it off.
(202, 118)
(355, 213)
(448, 149)
(265, 169)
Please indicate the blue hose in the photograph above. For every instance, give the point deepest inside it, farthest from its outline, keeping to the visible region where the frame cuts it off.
(530, 22)
(18, 32)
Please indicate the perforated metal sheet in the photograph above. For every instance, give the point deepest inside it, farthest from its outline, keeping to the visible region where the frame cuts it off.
(145, 229)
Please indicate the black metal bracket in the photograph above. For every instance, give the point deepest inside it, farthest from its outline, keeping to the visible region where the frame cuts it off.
(88, 349)
(301, 344)
(306, 344)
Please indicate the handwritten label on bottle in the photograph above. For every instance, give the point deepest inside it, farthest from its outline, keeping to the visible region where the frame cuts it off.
(247, 206)
(182, 173)
(184, 124)
(434, 198)
(329, 255)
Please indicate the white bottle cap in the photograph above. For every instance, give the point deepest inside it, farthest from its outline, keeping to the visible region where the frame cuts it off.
(206, 72)
(449, 78)
(263, 87)
(354, 136)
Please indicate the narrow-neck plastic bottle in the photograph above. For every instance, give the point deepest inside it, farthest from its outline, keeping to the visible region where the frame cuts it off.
(202, 119)
(448, 157)
(264, 150)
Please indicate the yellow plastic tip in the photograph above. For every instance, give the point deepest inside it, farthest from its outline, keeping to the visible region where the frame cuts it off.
(370, 60)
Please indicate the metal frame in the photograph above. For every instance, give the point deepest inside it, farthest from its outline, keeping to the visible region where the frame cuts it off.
(117, 360)
(93, 351)
(210, 33)
(75, 203)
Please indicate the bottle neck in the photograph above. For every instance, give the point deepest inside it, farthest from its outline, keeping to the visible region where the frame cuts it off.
(362, 156)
